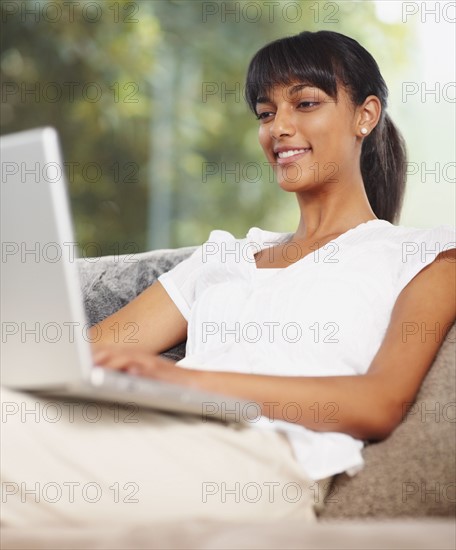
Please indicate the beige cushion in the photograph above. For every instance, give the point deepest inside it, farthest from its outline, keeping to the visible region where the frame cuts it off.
(413, 471)
(203, 534)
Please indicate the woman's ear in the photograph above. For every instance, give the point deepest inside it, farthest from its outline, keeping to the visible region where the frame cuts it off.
(368, 115)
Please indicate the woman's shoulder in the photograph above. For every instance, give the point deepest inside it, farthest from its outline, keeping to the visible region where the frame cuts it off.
(414, 248)
(413, 239)
(404, 236)
(442, 229)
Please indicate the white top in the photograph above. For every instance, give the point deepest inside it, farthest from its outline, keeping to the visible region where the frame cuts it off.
(323, 315)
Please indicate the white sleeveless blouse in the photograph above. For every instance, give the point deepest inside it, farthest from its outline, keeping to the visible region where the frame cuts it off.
(323, 315)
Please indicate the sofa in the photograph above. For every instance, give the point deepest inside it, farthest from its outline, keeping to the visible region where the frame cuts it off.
(405, 497)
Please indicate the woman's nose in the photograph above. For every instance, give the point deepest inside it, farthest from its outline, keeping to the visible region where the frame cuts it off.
(282, 125)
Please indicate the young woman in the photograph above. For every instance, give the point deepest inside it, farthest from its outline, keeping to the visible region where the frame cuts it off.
(322, 328)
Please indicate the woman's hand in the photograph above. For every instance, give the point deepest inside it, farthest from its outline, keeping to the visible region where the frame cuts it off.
(140, 362)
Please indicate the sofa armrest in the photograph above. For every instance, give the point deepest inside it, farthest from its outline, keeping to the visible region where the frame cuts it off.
(411, 473)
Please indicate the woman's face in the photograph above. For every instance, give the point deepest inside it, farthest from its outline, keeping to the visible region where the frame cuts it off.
(309, 138)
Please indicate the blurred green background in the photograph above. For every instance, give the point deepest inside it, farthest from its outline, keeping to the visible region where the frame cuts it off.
(147, 96)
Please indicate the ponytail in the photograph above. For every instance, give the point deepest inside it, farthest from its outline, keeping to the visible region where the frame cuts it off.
(383, 168)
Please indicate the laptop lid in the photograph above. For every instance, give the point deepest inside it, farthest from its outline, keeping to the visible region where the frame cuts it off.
(44, 328)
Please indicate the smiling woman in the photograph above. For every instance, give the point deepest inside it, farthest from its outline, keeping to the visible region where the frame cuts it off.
(355, 280)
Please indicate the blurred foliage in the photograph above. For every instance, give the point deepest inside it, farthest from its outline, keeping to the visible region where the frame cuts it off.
(159, 144)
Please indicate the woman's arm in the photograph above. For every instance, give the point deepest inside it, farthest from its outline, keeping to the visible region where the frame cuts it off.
(368, 406)
(150, 322)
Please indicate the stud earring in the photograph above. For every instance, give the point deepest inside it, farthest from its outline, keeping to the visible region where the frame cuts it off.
(364, 131)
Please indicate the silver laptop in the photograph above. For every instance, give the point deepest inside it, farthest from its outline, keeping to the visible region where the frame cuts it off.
(45, 348)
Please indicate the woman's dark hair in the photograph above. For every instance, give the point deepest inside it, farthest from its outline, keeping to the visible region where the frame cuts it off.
(327, 60)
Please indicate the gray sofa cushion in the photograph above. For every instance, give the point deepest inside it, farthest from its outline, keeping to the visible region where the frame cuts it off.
(110, 282)
(411, 473)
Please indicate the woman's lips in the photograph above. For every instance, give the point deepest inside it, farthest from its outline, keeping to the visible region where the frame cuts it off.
(291, 155)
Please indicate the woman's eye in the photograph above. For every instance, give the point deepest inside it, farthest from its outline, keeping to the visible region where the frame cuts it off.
(308, 104)
(263, 116)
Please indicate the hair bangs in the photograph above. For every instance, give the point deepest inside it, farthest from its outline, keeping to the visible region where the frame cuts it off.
(287, 61)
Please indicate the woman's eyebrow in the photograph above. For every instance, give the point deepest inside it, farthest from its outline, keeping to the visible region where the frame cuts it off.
(292, 91)
(298, 87)
(263, 99)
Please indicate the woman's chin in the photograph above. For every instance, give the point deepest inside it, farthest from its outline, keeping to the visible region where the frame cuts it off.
(291, 185)
(291, 179)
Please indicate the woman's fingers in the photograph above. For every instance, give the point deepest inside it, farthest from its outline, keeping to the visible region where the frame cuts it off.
(124, 359)
(141, 362)
(135, 361)
(100, 356)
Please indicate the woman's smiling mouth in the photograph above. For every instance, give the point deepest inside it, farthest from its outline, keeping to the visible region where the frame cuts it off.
(290, 155)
